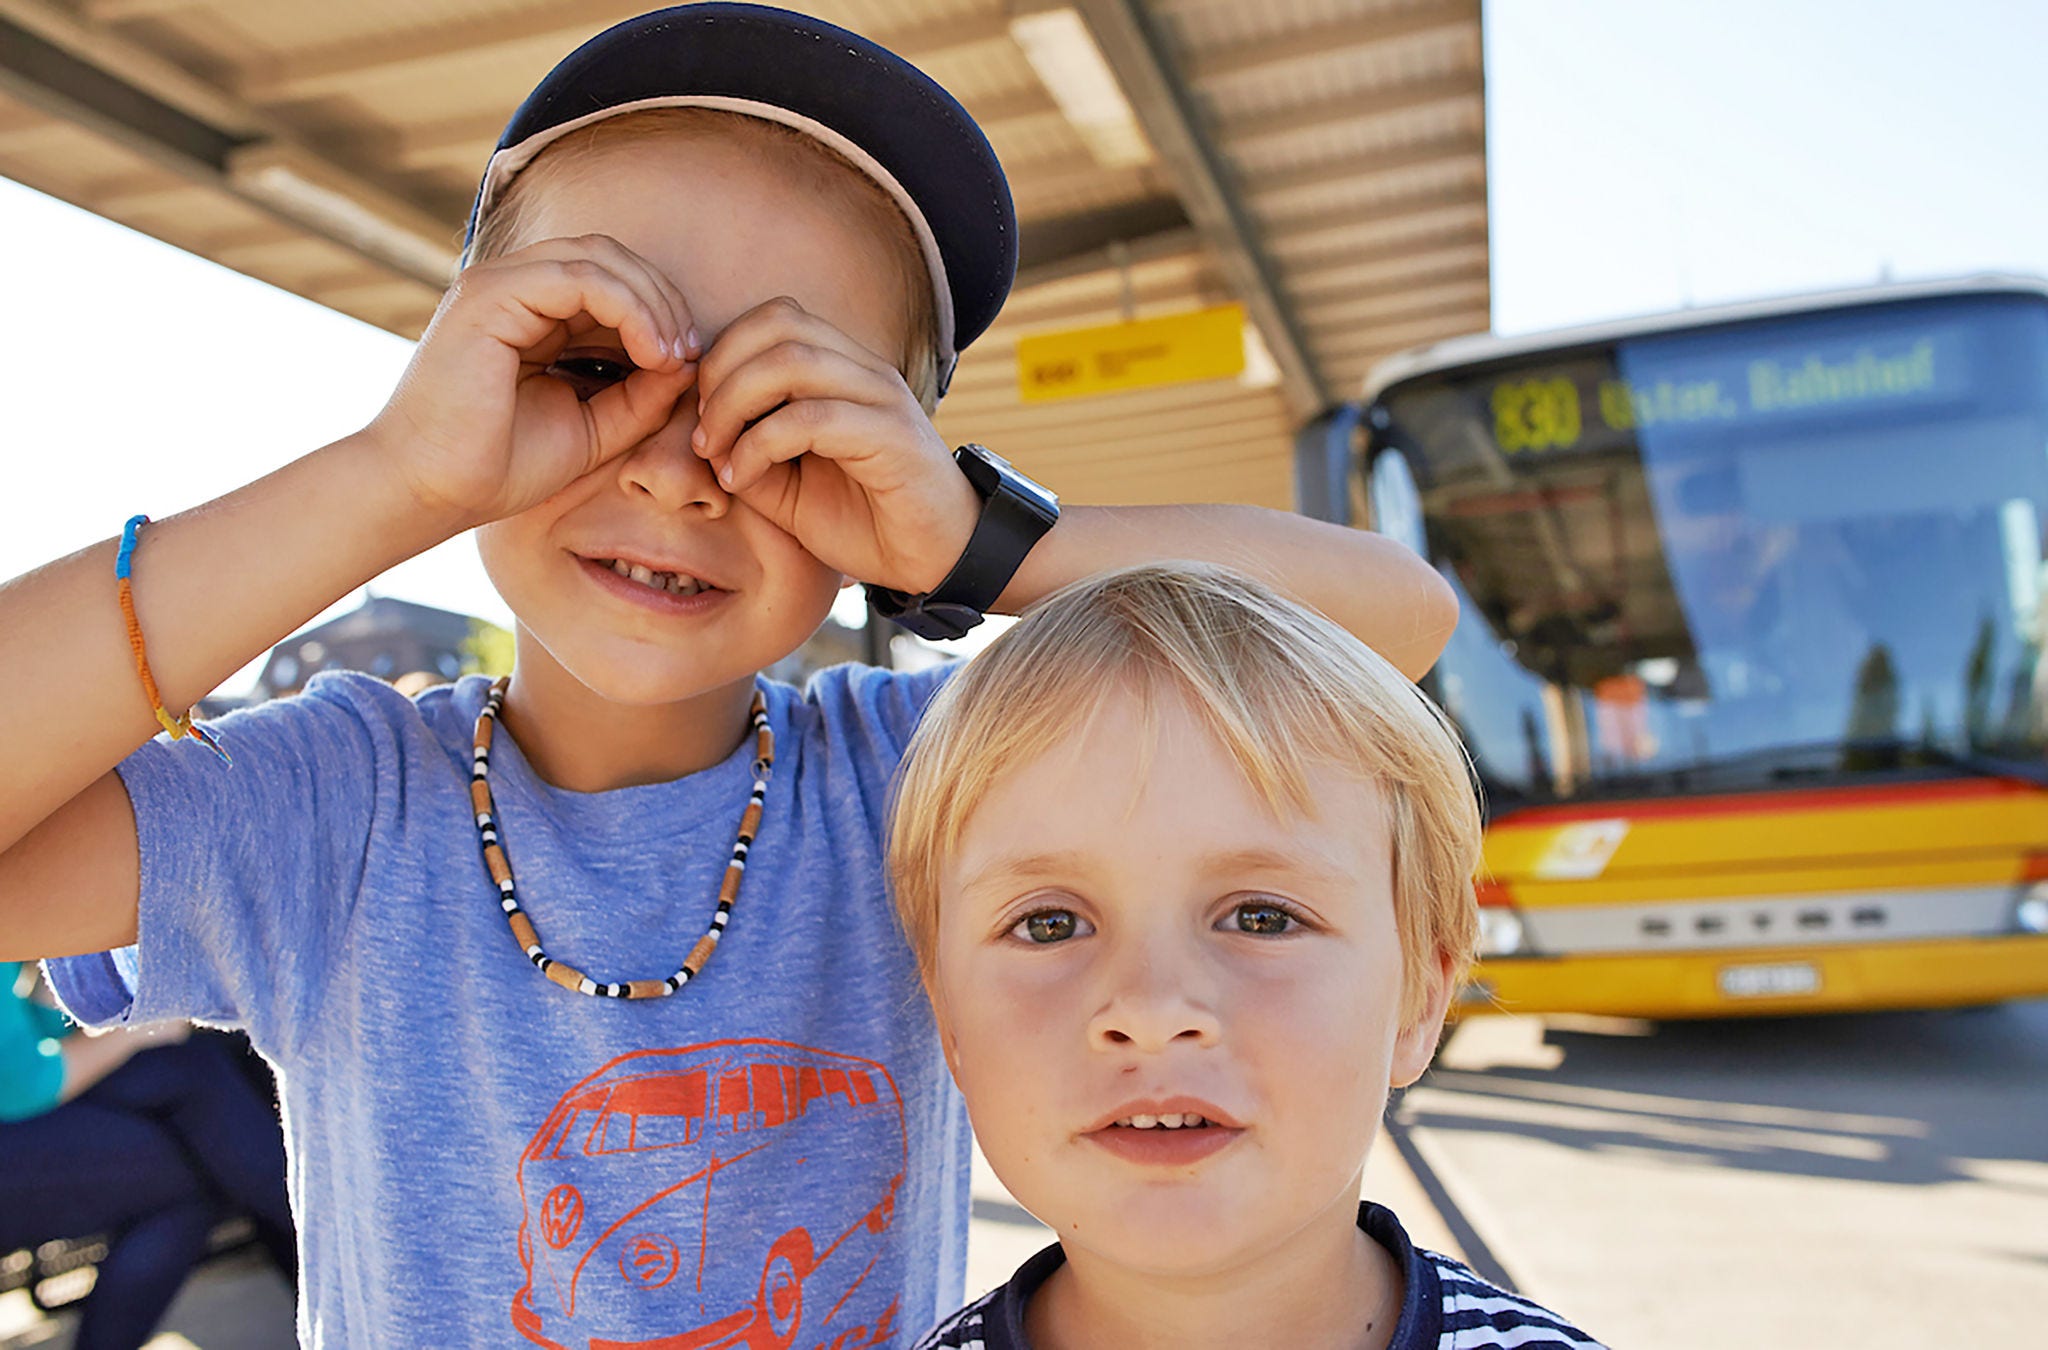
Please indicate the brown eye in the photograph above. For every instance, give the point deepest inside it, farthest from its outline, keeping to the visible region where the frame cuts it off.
(588, 374)
(1047, 926)
(1264, 920)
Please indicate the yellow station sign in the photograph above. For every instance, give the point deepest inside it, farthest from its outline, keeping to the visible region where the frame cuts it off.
(1200, 344)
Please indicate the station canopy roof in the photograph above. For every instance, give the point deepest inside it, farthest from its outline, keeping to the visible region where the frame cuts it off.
(1320, 161)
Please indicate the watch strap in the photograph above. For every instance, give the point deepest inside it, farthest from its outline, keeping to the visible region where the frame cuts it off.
(1010, 525)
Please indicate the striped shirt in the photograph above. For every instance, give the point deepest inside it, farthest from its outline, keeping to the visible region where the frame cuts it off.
(1446, 1306)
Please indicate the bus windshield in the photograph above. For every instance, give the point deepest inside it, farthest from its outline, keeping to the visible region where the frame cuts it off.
(1740, 556)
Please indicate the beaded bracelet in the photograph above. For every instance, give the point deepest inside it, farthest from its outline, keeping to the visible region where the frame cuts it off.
(180, 726)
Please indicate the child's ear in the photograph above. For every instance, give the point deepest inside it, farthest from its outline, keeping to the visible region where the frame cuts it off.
(1417, 1043)
(948, 1046)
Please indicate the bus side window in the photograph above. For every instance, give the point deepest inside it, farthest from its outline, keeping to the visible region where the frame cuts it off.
(792, 1095)
(863, 1087)
(768, 1100)
(732, 1101)
(812, 1088)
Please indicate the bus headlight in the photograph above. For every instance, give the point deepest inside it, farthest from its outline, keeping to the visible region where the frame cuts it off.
(2030, 915)
(1500, 932)
(1500, 925)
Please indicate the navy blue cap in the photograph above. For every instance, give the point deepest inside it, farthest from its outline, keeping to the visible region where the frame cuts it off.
(887, 117)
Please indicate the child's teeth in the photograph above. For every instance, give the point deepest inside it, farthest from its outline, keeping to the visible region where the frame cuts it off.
(675, 583)
(1171, 1120)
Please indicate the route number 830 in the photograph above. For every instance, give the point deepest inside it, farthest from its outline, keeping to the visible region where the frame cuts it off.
(1535, 415)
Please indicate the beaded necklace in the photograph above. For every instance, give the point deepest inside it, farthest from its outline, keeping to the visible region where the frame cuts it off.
(508, 896)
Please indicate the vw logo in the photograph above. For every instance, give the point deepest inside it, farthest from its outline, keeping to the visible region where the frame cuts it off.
(561, 1214)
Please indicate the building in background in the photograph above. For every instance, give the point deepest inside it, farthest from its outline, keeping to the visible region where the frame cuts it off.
(391, 639)
(415, 646)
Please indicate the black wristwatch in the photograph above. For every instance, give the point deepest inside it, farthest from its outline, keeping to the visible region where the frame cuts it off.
(1015, 514)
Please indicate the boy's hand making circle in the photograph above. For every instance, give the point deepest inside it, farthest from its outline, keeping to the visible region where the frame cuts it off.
(825, 439)
(520, 386)
(496, 411)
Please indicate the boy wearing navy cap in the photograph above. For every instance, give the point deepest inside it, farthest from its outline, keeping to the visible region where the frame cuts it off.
(594, 1022)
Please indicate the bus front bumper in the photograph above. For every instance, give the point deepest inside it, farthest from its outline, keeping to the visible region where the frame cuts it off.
(1766, 982)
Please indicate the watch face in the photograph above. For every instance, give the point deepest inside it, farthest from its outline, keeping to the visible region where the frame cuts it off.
(1037, 494)
(989, 456)
(1040, 494)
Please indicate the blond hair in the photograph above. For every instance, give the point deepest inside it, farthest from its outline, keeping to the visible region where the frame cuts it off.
(1277, 684)
(503, 221)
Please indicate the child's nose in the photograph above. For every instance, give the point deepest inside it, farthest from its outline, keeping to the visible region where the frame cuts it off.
(665, 468)
(1151, 1005)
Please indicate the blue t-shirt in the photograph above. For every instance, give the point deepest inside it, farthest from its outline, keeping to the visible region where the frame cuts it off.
(774, 1155)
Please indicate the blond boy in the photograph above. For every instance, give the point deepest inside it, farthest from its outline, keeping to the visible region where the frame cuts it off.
(1187, 869)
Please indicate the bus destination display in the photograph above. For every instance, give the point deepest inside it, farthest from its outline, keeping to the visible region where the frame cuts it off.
(1547, 410)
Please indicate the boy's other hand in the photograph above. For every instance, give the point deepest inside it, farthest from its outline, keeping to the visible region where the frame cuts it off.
(823, 437)
(513, 391)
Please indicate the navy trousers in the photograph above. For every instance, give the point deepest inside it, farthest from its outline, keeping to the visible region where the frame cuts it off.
(152, 1156)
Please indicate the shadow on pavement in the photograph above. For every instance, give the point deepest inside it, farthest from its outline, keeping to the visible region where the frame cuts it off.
(1903, 1098)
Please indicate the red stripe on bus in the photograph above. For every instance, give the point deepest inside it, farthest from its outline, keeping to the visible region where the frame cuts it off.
(1752, 803)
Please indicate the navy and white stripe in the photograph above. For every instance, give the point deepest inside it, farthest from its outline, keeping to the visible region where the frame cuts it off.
(1445, 1307)
(963, 1330)
(1482, 1316)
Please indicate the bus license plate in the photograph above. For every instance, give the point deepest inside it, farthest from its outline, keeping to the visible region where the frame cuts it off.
(1777, 980)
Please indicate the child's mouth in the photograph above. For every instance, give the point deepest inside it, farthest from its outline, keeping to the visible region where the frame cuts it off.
(1166, 1139)
(674, 583)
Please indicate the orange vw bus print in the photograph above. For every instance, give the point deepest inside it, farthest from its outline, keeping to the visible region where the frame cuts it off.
(647, 1188)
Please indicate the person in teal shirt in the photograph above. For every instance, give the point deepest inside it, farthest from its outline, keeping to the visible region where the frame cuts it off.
(145, 1140)
(31, 1057)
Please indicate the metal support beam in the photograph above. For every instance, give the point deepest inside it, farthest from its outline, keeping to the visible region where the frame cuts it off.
(101, 81)
(1049, 248)
(875, 633)
(46, 76)
(1136, 51)
(1324, 451)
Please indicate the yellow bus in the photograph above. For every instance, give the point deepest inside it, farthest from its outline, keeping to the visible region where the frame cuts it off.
(1750, 656)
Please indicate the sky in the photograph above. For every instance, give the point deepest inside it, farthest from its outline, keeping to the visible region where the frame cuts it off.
(1643, 155)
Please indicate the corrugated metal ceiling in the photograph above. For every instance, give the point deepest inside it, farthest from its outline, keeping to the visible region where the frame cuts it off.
(1322, 161)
